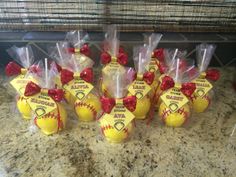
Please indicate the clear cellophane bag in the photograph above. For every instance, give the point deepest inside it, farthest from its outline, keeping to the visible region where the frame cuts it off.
(117, 86)
(45, 93)
(204, 54)
(180, 74)
(113, 58)
(19, 71)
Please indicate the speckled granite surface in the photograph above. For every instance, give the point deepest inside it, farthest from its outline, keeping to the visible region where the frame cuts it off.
(204, 148)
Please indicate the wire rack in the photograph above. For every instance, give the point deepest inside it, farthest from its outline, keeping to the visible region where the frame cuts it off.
(130, 15)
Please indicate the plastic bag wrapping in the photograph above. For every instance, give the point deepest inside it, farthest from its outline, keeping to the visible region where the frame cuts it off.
(60, 53)
(111, 48)
(181, 70)
(113, 57)
(168, 64)
(152, 40)
(19, 72)
(172, 54)
(111, 42)
(67, 60)
(49, 115)
(22, 55)
(77, 43)
(141, 86)
(204, 94)
(116, 122)
(63, 57)
(77, 38)
(177, 88)
(117, 83)
(204, 53)
(77, 81)
(142, 57)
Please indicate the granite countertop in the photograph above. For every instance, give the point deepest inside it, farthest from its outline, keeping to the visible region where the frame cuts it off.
(206, 147)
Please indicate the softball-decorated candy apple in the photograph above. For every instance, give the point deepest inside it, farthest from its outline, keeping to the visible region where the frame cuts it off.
(19, 83)
(151, 41)
(50, 115)
(75, 47)
(202, 96)
(86, 104)
(116, 123)
(24, 107)
(142, 107)
(140, 87)
(200, 103)
(53, 121)
(113, 58)
(174, 119)
(88, 108)
(112, 65)
(174, 107)
(112, 134)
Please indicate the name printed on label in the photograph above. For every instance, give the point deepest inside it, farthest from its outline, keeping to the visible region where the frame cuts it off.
(79, 87)
(119, 116)
(202, 85)
(176, 98)
(22, 81)
(45, 103)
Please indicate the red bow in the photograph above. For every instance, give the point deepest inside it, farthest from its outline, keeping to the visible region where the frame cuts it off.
(148, 77)
(186, 88)
(67, 76)
(183, 64)
(58, 67)
(159, 54)
(122, 58)
(84, 50)
(121, 50)
(167, 83)
(108, 103)
(162, 67)
(212, 74)
(32, 89)
(13, 68)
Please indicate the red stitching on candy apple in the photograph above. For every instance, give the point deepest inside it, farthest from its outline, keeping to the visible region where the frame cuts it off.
(53, 116)
(166, 112)
(90, 107)
(107, 127)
